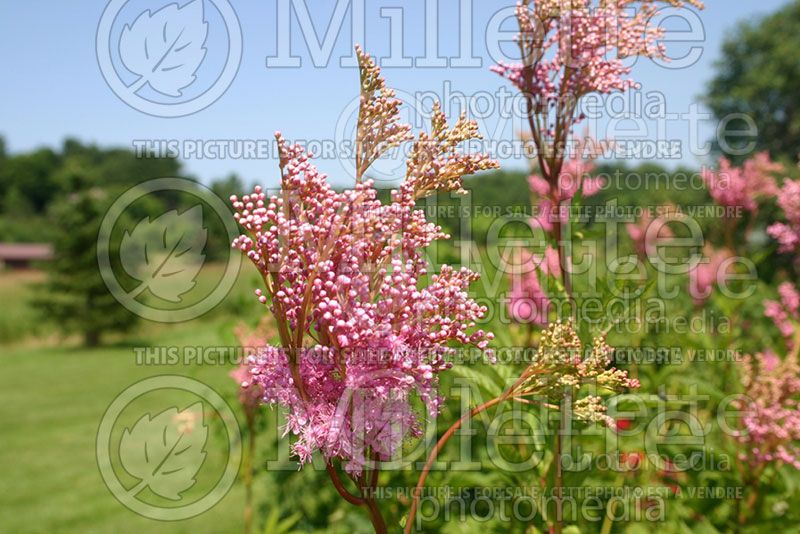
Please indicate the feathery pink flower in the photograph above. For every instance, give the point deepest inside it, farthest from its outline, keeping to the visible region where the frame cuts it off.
(581, 41)
(742, 186)
(646, 232)
(785, 312)
(771, 410)
(571, 49)
(364, 326)
(788, 234)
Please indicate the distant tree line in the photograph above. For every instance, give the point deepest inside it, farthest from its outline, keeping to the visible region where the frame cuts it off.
(60, 197)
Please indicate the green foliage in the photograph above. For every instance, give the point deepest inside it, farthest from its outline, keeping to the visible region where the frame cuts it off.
(20, 320)
(75, 297)
(759, 75)
(31, 182)
(275, 525)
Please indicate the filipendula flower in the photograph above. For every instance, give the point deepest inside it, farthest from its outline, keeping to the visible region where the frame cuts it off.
(770, 410)
(742, 186)
(785, 312)
(788, 234)
(364, 326)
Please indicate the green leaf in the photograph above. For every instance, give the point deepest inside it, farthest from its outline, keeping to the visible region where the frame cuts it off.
(485, 378)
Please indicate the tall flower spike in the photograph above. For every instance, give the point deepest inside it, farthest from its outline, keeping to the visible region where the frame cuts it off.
(785, 312)
(528, 302)
(711, 270)
(571, 48)
(379, 128)
(363, 327)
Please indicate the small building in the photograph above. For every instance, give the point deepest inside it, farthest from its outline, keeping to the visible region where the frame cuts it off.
(22, 255)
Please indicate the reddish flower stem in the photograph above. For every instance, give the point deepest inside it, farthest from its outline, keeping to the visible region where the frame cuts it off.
(435, 453)
(509, 393)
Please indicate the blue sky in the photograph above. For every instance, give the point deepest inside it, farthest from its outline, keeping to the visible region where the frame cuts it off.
(54, 88)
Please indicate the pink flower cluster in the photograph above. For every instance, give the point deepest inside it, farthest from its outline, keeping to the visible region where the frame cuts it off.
(528, 302)
(788, 234)
(785, 312)
(582, 39)
(713, 269)
(571, 49)
(742, 186)
(771, 410)
(364, 326)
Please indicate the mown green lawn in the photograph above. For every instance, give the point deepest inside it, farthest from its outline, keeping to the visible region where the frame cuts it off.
(53, 395)
(53, 400)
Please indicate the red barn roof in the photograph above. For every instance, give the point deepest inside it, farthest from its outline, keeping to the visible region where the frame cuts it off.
(26, 251)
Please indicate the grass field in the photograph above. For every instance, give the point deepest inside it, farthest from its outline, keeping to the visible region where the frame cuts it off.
(54, 393)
